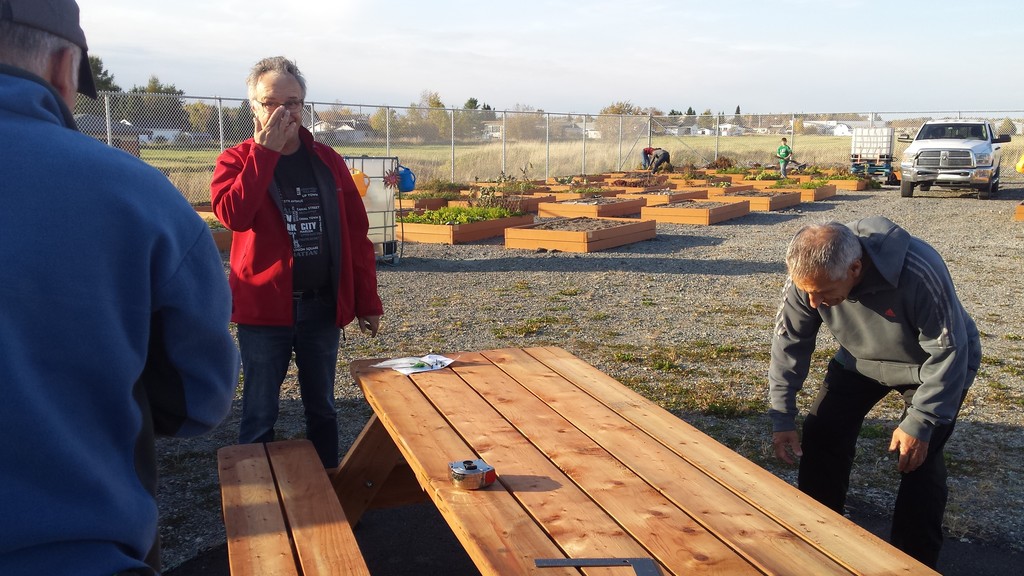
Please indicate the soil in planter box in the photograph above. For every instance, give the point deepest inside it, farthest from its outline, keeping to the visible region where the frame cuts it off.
(694, 204)
(752, 194)
(644, 181)
(597, 201)
(579, 224)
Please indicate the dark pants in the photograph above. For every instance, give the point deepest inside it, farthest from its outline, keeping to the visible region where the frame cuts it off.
(660, 158)
(829, 444)
(266, 352)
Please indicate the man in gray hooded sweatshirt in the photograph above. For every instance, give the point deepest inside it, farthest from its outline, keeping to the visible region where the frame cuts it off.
(889, 301)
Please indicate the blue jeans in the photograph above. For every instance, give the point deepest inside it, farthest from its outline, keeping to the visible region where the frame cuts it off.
(266, 352)
(782, 167)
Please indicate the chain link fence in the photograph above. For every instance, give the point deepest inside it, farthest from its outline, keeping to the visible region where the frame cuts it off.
(182, 136)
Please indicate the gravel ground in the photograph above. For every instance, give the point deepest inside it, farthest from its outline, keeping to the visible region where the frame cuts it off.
(685, 319)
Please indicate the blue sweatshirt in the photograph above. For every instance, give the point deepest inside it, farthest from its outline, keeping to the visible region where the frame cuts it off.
(113, 325)
(902, 325)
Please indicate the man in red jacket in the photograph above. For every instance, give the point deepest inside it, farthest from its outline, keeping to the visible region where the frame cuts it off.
(302, 266)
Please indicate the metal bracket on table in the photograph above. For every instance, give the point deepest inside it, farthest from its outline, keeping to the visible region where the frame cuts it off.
(641, 566)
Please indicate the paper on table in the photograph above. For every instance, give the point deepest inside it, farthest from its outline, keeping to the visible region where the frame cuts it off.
(411, 364)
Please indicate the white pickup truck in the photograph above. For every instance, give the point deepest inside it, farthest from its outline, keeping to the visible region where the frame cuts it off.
(952, 154)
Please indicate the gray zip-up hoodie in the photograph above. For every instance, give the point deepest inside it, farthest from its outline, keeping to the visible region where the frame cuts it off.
(902, 325)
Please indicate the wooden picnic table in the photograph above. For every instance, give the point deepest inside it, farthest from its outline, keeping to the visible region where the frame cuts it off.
(589, 473)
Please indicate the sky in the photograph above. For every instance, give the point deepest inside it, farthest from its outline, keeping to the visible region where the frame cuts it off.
(781, 56)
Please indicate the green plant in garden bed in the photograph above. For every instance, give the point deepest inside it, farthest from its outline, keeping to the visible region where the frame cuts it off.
(792, 183)
(428, 194)
(733, 170)
(458, 215)
(843, 174)
(215, 224)
(767, 175)
(813, 184)
(439, 185)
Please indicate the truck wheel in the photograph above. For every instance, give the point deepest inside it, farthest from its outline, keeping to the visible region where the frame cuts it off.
(926, 186)
(989, 191)
(906, 188)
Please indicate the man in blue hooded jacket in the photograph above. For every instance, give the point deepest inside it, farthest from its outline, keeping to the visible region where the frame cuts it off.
(889, 301)
(113, 318)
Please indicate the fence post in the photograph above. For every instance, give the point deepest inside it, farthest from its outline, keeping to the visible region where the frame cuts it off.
(387, 131)
(110, 129)
(583, 168)
(718, 133)
(618, 163)
(792, 123)
(504, 138)
(220, 122)
(547, 146)
(453, 144)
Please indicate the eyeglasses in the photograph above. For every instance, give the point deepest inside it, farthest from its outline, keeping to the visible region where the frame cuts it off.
(289, 105)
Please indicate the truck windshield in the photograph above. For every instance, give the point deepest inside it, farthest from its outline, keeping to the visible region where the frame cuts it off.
(954, 131)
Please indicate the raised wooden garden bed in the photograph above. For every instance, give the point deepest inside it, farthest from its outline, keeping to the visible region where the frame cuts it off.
(420, 203)
(757, 184)
(701, 212)
(808, 194)
(1019, 213)
(849, 184)
(457, 233)
(591, 207)
(666, 196)
(697, 191)
(221, 236)
(579, 178)
(819, 193)
(604, 193)
(573, 187)
(760, 200)
(580, 234)
(523, 203)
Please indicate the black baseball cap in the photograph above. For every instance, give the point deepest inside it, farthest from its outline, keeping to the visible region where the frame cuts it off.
(60, 18)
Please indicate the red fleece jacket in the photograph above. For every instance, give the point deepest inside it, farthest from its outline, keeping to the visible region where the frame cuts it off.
(261, 249)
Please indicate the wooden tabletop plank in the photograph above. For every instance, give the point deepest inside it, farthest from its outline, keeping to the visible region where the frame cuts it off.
(669, 535)
(256, 535)
(849, 544)
(497, 534)
(576, 524)
(758, 538)
(313, 512)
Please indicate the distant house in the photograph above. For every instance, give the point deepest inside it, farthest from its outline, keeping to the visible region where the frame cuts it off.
(679, 130)
(731, 130)
(350, 131)
(842, 129)
(592, 133)
(839, 128)
(492, 130)
(125, 137)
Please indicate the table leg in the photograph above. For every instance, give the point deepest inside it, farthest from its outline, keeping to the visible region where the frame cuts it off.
(373, 474)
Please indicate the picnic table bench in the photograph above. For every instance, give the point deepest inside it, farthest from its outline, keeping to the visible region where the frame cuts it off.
(281, 514)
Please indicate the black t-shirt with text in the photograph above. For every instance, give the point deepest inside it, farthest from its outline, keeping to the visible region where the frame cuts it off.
(304, 218)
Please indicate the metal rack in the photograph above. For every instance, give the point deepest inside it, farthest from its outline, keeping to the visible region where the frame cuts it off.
(380, 203)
